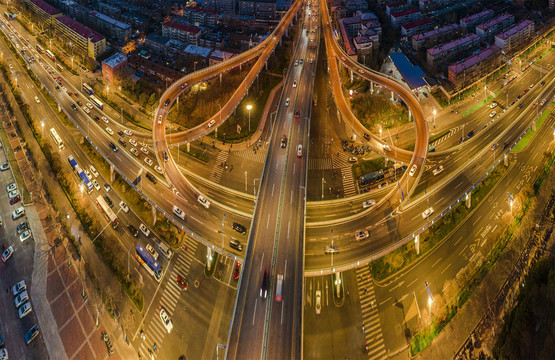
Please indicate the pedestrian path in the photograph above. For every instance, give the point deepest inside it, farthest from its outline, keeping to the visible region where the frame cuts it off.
(370, 318)
(320, 164)
(250, 155)
(155, 331)
(217, 170)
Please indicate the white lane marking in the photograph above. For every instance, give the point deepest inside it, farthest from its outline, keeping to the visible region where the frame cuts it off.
(288, 226)
(291, 199)
(254, 313)
(268, 222)
(445, 269)
(294, 168)
(273, 187)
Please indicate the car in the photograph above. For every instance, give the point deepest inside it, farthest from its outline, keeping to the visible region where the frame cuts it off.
(128, 133)
(124, 206)
(73, 107)
(22, 227)
(331, 249)
(18, 288)
(159, 169)
(493, 105)
(264, 285)
(492, 114)
(366, 136)
(144, 149)
(37, 99)
(151, 177)
(166, 321)
(470, 134)
(86, 109)
(182, 283)
(301, 61)
(368, 203)
(297, 113)
(120, 133)
(165, 155)
(361, 235)
(148, 161)
(113, 146)
(88, 173)
(239, 228)
(299, 150)
(287, 102)
(520, 106)
(152, 252)
(295, 83)
(211, 123)
(427, 213)
(437, 170)
(25, 236)
(15, 200)
(133, 142)
(17, 213)
(108, 201)
(159, 119)
(7, 254)
(543, 102)
(31, 334)
(107, 187)
(11, 66)
(96, 185)
(167, 102)
(353, 159)
(505, 144)
(134, 151)
(89, 105)
(13, 193)
(110, 131)
(296, 62)
(413, 170)
(80, 103)
(178, 212)
(203, 201)
(279, 287)
(361, 71)
(493, 146)
(283, 142)
(4, 167)
(105, 119)
(144, 230)
(237, 270)
(235, 244)
(318, 305)
(542, 83)
(386, 147)
(24, 310)
(21, 298)
(534, 105)
(133, 230)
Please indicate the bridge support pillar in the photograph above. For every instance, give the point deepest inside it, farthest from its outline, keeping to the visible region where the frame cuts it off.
(351, 75)
(153, 215)
(266, 66)
(188, 147)
(240, 67)
(112, 174)
(221, 79)
(392, 96)
(385, 160)
(371, 87)
(534, 126)
(417, 244)
(505, 160)
(41, 85)
(468, 200)
(59, 108)
(286, 34)
(410, 114)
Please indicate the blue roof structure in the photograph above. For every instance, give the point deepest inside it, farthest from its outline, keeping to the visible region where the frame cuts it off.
(413, 75)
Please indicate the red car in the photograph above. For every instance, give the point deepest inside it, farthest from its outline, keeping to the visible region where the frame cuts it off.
(237, 271)
(297, 113)
(15, 200)
(182, 282)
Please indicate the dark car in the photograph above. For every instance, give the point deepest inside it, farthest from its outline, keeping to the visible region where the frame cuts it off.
(297, 113)
(234, 243)
(239, 228)
(96, 118)
(113, 146)
(22, 227)
(133, 230)
(470, 134)
(31, 334)
(167, 102)
(283, 142)
(264, 285)
(182, 282)
(505, 144)
(79, 102)
(165, 155)
(108, 201)
(367, 136)
(151, 177)
(120, 133)
(73, 107)
(15, 200)
(122, 142)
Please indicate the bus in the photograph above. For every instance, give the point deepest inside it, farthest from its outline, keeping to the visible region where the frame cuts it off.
(151, 265)
(371, 178)
(83, 178)
(7, 16)
(57, 138)
(39, 48)
(107, 211)
(86, 88)
(96, 102)
(59, 67)
(50, 55)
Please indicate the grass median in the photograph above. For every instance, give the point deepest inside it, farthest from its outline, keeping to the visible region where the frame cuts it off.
(523, 143)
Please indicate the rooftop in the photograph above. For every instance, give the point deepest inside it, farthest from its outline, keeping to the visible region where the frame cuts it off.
(436, 32)
(404, 13)
(80, 29)
(473, 59)
(183, 27)
(436, 50)
(115, 59)
(110, 20)
(349, 47)
(413, 75)
(515, 29)
(198, 50)
(494, 21)
(47, 8)
(397, 4)
(416, 23)
(199, 10)
(476, 16)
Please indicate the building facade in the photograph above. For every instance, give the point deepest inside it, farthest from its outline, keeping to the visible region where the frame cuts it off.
(416, 27)
(260, 9)
(486, 31)
(83, 38)
(404, 17)
(442, 55)
(113, 66)
(44, 11)
(434, 37)
(474, 67)
(186, 33)
(516, 37)
(111, 27)
(470, 22)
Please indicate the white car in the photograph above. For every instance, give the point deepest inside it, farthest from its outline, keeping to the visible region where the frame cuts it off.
(105, 119)
(211, 123)
(96, 185)
(413, 170)
(493, 105)
(26, 235)
(109, 131)
(18, 288)
(21, 298)
(159, 119)
(128, 132)
(368, 203)
(166, 321)
(361, 235)
(148, 161)
(159, 169)
(11, 187)
(295, 83)
(24, 310)
(89, 105)
(203, 201)
(437, 170)
(7, 254)
(11, 67)
(318, 305)
(93, 170)
(427, 213)
(178, 212)
(133, 142)
(86, 109)
(299, 150)
(152, 252)
(144, 229)
(88, 173)
(4, 167)
(13, 194)
(124, 207)
(287, 102)
(386, 147)
(492, 114)
(134, 151)
(37, 99)
(144, 149)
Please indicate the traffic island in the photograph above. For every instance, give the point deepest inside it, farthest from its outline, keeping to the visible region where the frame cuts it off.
(337, 289)
(211, 259)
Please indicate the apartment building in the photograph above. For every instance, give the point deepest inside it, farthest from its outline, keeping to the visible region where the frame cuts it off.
(470, 22)
(416, 27)
(442, 55)
(110, 27)
(516, 37)
(396, 7)
(220, 6)
(83, 38)
(113, 66)
(200, 17)
(186, 33)
(486, 31)
(404, 17)
(153, 69)
(260, 9)
(44, 11)
(433, 37)
(474, 67)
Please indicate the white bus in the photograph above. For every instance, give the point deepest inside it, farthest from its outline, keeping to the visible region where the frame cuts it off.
(40, 50)
(107, 211)
(96, 102)
(50, 55)
(57, 138)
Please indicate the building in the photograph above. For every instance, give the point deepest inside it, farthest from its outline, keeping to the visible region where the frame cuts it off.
(153, 69)
(220, 6)
(436, 36)
(186, 33)
(200, 17)
(109, 10)
(469, 23)
(113, 66)
(439, 56)
(157, 43)
(416, 27)
(474, 67)
(404, 17)
(486, 31)
(197, 51)
(219, 56)
(412, 74)
(349, 27)
(44, 11)
(396, 7)
(88, 41)
(111, 27)
(260, 9)
(356, 5)
(516, 37)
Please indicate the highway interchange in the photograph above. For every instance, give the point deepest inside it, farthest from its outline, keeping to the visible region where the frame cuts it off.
(277, 235)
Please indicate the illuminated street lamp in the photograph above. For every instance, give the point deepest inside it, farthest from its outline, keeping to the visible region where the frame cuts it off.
(249, 107)
(81, 187)
(107, 90)
(434, 112)
(72, 63)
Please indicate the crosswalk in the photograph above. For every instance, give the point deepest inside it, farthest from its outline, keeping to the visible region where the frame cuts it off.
(217, 170)
(341, 161)
(370, 319)
(249, 154)
(452, 132)
(155, 332)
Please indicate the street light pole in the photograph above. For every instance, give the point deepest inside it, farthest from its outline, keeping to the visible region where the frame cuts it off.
(223, 223)
(246, 181)
(249, 107)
